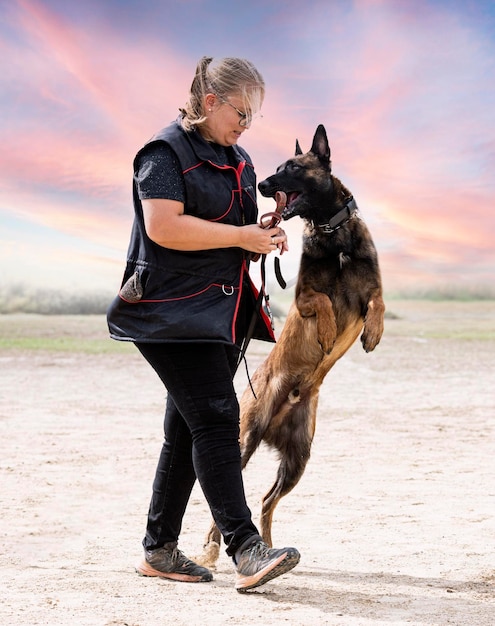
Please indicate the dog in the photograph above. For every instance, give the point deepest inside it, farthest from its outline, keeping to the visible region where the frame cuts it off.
(338, 297)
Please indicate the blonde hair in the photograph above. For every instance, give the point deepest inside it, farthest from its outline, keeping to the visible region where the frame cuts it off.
(223, 77)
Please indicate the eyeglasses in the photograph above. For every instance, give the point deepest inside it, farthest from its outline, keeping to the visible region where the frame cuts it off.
(245, 119)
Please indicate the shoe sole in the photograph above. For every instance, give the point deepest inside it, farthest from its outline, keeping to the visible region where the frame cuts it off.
(144, 569)
(282, 565)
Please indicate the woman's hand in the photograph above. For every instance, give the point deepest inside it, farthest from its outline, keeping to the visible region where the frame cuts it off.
(283, 245)
(263, 240)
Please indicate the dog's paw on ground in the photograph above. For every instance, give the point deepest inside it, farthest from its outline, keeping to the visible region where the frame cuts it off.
(210, 555)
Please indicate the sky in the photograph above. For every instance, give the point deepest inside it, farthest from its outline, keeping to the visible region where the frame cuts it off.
(405, 90)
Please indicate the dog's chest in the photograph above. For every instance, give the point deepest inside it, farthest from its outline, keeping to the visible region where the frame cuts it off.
(325, 272)
(343, 259)
(331, 251)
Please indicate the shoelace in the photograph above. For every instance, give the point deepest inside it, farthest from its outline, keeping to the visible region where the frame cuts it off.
(258, 550)
(178, 556)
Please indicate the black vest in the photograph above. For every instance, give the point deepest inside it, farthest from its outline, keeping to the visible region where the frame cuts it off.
(170, 295)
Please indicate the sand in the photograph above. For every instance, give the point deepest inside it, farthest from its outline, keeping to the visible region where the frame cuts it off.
(394, 516)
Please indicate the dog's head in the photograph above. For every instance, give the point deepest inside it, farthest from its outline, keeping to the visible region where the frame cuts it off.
(306, 179)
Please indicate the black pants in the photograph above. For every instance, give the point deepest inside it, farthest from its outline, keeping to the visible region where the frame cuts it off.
(201, 440)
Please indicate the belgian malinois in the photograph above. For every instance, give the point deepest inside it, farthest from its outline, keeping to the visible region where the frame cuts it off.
(338, 297)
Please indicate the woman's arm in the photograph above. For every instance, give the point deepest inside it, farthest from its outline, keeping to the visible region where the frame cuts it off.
(168, 226)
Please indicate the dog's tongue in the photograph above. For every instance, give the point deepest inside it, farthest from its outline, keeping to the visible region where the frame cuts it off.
(281, 200)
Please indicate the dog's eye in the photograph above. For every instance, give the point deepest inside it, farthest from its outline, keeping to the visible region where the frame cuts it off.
(294, 166)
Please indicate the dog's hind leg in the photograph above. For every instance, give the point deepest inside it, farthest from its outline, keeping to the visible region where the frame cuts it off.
(288, 475)
(211, 548)
(293, 441)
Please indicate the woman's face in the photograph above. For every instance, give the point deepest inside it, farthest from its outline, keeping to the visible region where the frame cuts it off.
(226, 119)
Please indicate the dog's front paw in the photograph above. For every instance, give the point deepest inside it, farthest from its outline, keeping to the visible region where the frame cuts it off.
(370, 339)
(326, 344)
(372, 333)
(327, 335)
(373, 324)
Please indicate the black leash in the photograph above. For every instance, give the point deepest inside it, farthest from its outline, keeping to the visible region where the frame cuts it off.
(254, 318)
(278, 273)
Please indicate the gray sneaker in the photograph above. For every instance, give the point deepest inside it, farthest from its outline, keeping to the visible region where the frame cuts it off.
(258, 564)
(170, 562)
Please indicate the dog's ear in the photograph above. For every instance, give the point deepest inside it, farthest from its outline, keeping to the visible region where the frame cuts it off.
(298, 148)
(320, 145)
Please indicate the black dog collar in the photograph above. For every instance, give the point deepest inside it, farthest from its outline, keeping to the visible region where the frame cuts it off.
(341, 218)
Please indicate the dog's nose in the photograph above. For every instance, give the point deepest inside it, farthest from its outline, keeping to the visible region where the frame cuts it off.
(263, 187)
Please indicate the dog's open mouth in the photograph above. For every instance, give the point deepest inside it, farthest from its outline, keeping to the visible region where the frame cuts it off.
(288, 211)
(292, 196)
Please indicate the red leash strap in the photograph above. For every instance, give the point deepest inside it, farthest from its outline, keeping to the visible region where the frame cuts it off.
(273, 218)
(276, 218)
(270, 220)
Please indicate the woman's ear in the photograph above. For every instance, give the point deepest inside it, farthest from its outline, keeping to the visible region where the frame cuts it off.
(210, 101)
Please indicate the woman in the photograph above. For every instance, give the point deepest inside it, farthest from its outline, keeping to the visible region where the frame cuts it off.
(186, 300)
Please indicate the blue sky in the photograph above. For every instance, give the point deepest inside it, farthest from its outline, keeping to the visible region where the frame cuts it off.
(406, 91)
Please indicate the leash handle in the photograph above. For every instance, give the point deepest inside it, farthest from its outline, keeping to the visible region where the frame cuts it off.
(272, 218)
(276, 217)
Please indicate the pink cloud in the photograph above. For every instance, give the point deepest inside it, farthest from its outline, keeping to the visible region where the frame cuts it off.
(122, 101)
(393, 100)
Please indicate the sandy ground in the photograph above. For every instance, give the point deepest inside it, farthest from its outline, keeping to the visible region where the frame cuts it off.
(394, 517)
